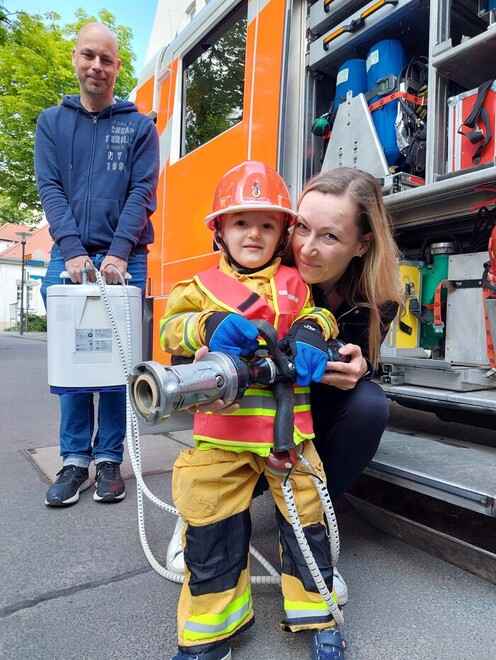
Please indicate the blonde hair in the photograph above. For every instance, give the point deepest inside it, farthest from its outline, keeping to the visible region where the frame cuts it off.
(373, 279)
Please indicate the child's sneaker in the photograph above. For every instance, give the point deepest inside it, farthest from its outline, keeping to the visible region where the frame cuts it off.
(327, 645)
(174, 560)
(220, 652)
(340, 587)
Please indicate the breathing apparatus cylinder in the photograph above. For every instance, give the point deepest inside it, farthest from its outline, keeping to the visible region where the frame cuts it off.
(385, 58)
(82, 348)
(351, 77)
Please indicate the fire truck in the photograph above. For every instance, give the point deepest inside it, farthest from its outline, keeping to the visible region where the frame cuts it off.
(403, 89)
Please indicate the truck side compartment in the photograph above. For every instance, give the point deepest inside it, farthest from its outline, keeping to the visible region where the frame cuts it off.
(402, 89)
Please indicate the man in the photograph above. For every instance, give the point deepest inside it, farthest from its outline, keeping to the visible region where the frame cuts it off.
(96, 162)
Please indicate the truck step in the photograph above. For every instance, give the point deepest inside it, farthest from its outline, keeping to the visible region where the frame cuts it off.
(469, 556)
(454, 471)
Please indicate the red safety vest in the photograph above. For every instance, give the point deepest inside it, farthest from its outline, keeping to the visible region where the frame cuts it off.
(251, 428)
(289, 295)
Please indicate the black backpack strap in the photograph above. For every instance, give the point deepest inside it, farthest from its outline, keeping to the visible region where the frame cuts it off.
(478, 111)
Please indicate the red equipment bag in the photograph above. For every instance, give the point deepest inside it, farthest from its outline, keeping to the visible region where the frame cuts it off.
(472, 127)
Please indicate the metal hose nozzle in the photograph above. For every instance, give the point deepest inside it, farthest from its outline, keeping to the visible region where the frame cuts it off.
(156, 391)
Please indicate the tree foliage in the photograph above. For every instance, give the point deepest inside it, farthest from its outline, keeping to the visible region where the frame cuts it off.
(35, 72)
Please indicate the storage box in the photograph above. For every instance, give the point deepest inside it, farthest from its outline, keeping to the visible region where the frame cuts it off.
(460, 150)
(465, 325)
(82, 350)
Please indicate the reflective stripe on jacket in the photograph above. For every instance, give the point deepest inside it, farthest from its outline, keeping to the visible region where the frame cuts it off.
(255, 431)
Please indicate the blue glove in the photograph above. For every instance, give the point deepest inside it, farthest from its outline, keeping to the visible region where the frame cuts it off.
(308, 350)
(231, 333)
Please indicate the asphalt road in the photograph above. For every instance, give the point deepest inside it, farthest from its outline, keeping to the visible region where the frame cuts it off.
(76, 584)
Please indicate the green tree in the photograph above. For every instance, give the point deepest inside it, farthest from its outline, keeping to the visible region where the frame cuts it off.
(35, 71)
(4, 21)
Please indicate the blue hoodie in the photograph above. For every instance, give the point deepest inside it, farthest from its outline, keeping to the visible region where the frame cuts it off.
(97, 175)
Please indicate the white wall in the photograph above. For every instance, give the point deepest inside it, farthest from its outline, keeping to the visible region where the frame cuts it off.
(171, 17)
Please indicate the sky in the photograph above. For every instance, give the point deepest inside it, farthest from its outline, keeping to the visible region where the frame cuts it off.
(136, 14)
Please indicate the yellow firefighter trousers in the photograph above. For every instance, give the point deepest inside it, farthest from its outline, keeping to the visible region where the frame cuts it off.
(212, 490)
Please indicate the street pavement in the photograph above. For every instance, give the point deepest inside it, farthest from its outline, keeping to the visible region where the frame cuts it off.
(76, 584)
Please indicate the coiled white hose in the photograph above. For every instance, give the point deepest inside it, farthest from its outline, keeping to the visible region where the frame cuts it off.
(287, 492)
(332, 523)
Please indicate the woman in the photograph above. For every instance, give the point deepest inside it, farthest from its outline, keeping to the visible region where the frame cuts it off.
(343, 246)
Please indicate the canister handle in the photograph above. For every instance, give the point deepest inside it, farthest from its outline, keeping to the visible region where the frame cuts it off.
(64, 275)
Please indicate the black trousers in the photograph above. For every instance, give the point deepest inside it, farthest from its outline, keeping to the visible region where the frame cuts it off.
(348, 427)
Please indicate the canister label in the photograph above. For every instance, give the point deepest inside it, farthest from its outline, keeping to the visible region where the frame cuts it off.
(94, 340)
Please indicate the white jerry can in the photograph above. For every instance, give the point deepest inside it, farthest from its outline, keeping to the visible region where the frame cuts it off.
(82, 347)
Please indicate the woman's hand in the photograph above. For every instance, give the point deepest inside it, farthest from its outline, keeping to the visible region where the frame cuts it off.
(217, 406)
(345, 375)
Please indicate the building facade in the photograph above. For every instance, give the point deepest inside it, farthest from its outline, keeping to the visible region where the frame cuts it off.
(17, 281)
(171, 17)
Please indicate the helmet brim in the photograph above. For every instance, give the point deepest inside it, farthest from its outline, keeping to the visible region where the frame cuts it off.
(249, 207)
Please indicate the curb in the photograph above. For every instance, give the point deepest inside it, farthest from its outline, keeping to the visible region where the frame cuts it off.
(37, 336)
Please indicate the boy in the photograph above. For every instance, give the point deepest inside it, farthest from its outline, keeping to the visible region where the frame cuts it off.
(213, 483)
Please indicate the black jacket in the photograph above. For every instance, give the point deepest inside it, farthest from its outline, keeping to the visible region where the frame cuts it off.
(353, 322)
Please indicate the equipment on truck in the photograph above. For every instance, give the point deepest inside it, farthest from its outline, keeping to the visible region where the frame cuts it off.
(471, 127)
(396, 95)
(386, 58)
(411, 121)
(489, 293)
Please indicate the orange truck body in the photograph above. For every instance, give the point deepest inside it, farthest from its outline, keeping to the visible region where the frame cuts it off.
(247, 78)
(183, 244)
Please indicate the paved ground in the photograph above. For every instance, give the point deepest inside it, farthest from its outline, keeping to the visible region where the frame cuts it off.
(77, 585)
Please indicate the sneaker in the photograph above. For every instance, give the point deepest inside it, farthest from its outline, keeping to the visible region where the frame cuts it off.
(175, 564)
(327, 645)
(109, 484)
(220, 652)
(340, 587)
(174, 560)
(71, 480)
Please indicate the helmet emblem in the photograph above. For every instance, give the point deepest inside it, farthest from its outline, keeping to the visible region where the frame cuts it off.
(255, 188)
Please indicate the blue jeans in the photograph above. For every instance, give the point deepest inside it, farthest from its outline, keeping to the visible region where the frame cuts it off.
(77, 411)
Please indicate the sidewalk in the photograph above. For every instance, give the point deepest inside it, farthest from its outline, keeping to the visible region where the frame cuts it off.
(76, 583)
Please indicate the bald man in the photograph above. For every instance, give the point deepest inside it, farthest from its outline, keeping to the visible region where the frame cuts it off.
(96, 163)
(96, 61)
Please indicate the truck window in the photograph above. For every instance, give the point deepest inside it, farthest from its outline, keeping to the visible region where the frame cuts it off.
(213, 82)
